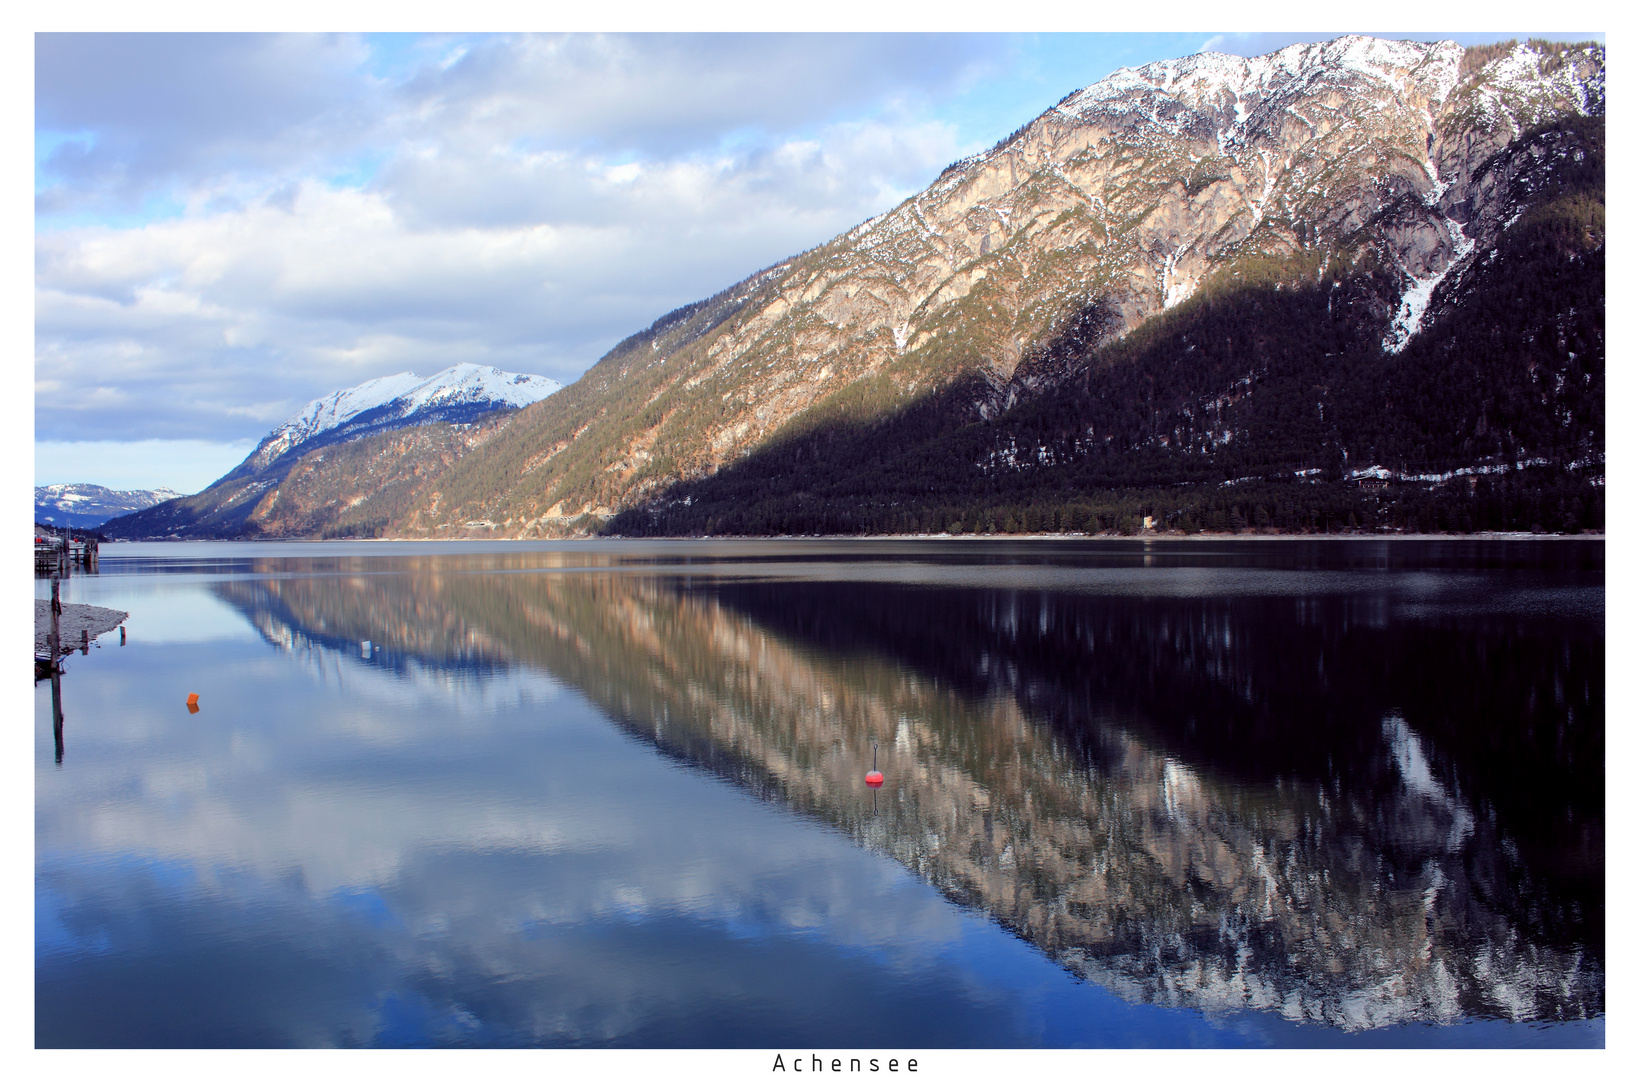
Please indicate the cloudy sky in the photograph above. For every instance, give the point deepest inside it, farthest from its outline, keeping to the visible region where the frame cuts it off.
(228, 226)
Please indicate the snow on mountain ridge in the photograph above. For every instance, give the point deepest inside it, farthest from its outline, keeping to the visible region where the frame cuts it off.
(83, 492)
(1202, 80)
(471, 382)
(1515, 90)
(86, 506)
(456, 385)
(336, 409)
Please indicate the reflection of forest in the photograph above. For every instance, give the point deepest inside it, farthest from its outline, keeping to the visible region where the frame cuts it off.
(1298, 805)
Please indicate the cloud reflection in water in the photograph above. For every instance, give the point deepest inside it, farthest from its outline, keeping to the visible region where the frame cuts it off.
(1195, 799)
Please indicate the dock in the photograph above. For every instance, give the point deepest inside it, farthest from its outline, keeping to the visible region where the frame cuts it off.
(56, 554)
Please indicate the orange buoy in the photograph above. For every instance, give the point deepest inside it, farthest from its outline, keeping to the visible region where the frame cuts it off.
(193, 703)
(874, 778)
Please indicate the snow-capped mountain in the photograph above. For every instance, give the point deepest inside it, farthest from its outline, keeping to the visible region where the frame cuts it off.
(455, 395)
(460, 395)
(85, 506)
(1350, 194)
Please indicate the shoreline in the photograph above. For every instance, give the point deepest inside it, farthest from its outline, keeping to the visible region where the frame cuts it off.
(75, 618)
(1143, 537)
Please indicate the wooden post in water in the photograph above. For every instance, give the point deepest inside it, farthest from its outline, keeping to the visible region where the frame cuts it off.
(57, 709)
(53, 640)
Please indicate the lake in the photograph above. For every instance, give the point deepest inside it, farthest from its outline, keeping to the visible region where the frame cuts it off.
(1141, 793)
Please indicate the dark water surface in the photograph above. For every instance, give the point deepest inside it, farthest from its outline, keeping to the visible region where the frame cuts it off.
(1206, 793)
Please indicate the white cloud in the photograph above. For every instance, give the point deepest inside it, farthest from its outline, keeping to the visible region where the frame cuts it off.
(527, 203)
(663, 95)
(153, 109)
(284, 305)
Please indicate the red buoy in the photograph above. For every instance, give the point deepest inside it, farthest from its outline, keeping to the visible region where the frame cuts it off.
(873, 778)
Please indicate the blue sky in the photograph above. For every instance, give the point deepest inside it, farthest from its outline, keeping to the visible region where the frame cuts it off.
(228, 226)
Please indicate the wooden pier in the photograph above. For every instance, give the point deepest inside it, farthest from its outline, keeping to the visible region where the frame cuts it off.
(56, 554)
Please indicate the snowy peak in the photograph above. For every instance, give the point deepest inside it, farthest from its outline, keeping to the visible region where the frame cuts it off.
(336, 409)
(1212, 157)
(1217, 83)
(86, 506)
(81, 493)
(457, 393)
(467, 383)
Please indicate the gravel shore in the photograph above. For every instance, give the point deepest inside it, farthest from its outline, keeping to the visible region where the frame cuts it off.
(74, 619)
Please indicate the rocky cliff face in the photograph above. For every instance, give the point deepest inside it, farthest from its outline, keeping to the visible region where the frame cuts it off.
(1379, 161)
(363, 486)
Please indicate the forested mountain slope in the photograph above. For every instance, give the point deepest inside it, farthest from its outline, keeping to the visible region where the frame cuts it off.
(1339, 264)
(1265, 400)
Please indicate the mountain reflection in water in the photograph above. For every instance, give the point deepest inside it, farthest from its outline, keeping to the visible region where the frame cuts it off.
(1358, 805)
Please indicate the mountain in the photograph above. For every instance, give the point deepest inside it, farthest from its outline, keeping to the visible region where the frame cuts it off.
(456, 395)
(424, 424)
(1362, 278)
(1356, 283)
(85, 506)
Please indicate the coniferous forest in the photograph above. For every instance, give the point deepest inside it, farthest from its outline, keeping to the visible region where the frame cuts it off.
(1247, 407)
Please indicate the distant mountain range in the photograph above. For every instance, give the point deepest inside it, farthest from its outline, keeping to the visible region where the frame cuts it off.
(445, 415)
(85, 506)
(1359, 283)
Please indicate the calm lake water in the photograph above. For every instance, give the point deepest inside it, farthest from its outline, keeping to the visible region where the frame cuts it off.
(1211, 793)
